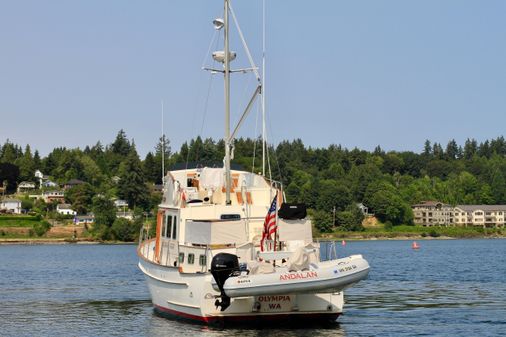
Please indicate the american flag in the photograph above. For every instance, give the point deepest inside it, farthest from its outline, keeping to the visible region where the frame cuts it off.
(270, 225)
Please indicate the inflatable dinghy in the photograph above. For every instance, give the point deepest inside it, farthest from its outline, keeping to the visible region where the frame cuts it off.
(322, 277)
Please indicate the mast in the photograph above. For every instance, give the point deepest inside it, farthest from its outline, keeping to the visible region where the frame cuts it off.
(263, 88)
(227, 105)
(163, 151)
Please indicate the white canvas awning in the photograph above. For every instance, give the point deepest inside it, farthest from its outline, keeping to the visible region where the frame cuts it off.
(215, 232)
(295, 230)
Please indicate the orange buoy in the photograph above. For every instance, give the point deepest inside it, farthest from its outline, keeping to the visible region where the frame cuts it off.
(415, 245)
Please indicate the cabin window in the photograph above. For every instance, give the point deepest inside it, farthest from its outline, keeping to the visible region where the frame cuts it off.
(181, 257)
(174, 228)
(230, 217)
(191, 258)
(164, 226)
(169, 226)
(202, 260)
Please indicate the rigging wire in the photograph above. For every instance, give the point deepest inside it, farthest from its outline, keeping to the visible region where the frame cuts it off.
(214, 39)
(256, 139)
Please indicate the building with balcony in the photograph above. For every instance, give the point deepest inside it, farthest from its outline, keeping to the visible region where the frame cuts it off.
(433, 213)
(480, 215)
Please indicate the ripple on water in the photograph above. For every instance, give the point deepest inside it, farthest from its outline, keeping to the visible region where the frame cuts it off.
(448, 288)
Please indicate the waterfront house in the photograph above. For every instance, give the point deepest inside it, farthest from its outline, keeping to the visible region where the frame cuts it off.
(65, 209)
(72, 182)
(25, 186)
(121, 204)
(50, 196)
(11, 206)
(84, 219)
(480, 215)
(433, 213)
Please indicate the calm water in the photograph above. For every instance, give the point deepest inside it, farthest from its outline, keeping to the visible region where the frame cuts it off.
(447, 288)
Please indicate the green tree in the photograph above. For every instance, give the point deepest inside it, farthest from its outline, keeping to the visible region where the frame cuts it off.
(132, 185)
(105, 215)
(9, 174)
(322, 220)
(351, 218)
(123, 230)
(152, 171)
(81, 198)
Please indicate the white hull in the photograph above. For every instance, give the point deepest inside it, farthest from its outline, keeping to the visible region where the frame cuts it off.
(326, 277)
(191, 296)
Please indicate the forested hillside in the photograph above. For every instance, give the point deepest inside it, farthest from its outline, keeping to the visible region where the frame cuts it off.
(329, 180)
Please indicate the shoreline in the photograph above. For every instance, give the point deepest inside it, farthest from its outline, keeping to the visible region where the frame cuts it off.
(63, 241)
(59, 241)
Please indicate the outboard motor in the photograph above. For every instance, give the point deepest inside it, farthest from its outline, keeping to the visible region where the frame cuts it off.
(222, 266)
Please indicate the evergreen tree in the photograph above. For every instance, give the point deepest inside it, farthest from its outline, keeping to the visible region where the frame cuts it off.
(26, 165)
(36, 160)
(452, 150)
(121, 145)
(152, 171)
(427, 149)
(470, 148)
(132, 184)
(162, 147)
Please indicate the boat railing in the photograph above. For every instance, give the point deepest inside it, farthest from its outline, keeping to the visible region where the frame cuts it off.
(144, 238)
(332, 251)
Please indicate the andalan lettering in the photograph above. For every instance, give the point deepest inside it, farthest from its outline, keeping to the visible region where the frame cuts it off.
(297, 276)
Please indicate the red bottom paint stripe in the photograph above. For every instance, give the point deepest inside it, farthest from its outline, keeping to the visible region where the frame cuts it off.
(246, 318)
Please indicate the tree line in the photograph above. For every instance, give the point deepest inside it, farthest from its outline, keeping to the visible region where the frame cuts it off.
(331, 180)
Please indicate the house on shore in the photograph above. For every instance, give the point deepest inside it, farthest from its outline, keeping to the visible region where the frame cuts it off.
(25, 186)
(480, 215)
(71, 183)
(87, 219)
(433, 213)
(11, 206)
(65, 209)
(50, 196)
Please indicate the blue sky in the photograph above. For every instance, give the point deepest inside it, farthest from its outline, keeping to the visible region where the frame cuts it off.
(356, 73)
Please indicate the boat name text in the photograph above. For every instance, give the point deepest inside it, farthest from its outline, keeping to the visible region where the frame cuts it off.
(297, 276)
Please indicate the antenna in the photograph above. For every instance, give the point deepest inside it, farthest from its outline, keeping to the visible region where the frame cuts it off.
(263, 88)
(163, 150)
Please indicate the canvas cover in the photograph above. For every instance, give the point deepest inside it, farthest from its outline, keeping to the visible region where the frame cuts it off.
(215, 232)
(260, 267)
(302, 258)
(211, 178)
(292, 211)
(295, 230)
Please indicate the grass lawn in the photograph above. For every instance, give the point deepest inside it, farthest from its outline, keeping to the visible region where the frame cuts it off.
(18, 221)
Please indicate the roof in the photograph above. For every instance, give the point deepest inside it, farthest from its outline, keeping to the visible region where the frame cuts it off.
(74, 182)
(430, 203)
(486, 208)
(82, 217)
(11, 200)
(64, 206)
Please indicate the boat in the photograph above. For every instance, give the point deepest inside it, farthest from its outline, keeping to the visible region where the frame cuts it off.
(329, 276)
(228, 247)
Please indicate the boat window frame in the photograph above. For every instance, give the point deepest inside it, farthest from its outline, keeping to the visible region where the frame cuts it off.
(191, 258)
(181, 257)
(202, 260)
(164, 225)
(174, 227)
(169, 225)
